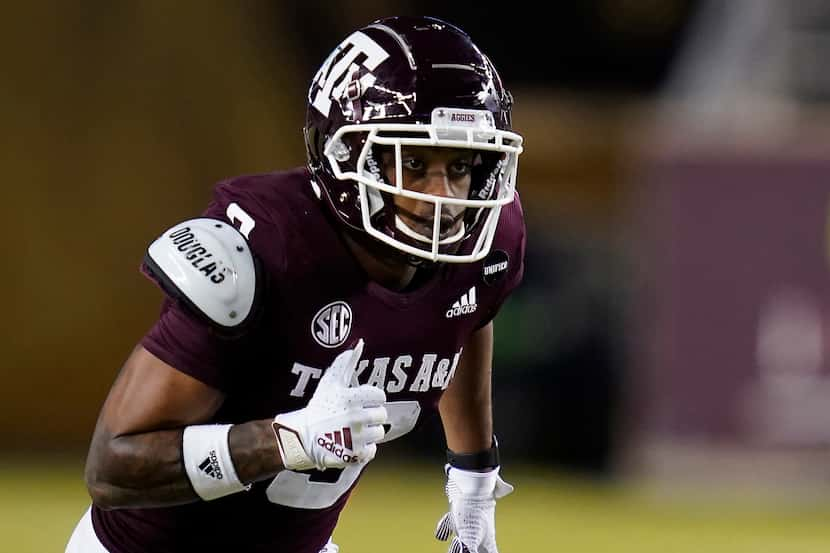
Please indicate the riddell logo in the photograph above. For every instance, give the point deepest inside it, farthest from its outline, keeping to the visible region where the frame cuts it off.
(465, 305)
(338, 442)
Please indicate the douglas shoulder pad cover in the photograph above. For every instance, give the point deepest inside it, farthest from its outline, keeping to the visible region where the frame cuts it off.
(208, 264)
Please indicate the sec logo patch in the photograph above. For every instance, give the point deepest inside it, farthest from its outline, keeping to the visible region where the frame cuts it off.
(331, 325)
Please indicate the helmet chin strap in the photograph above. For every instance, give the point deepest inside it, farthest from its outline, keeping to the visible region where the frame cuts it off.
(385, 251)
(406, 230)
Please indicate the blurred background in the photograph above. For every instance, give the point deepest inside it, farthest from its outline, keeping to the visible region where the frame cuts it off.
(662, 378)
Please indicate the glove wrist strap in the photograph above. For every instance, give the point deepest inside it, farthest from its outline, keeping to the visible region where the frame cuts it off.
(479, 460)
(290, 445)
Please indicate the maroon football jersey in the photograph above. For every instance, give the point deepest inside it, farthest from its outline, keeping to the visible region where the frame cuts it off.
(314, 302)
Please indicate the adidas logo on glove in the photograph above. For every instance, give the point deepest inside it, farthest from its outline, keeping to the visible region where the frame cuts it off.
(338, 442)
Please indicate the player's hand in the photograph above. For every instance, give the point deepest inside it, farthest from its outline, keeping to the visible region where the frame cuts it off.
(472, 516)
(339, 426)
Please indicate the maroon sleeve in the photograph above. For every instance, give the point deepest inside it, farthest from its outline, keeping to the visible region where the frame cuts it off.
(188, 344)
(183, 339)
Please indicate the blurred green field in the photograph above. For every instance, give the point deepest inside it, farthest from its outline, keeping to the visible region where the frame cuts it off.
(396, 511)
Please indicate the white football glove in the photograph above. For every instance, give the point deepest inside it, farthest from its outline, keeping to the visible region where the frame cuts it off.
(472, 516)
(330, 547)
(339, 426)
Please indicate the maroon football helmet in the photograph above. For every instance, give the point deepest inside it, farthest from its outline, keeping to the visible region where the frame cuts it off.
(402, 82)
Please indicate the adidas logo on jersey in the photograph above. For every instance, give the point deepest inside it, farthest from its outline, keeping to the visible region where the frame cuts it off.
(465, 305)
(210, 466)
(338, 442)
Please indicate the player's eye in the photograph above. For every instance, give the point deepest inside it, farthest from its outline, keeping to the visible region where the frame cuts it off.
(460, 168)
(412, 164)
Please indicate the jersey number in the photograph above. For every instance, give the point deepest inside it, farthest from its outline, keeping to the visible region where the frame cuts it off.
(246, 222)
(299, 490)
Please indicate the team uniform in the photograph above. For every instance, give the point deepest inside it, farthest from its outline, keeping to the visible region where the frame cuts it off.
(315, 301)
(411, 155)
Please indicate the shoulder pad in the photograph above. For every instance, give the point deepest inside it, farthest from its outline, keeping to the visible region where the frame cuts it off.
(208, 264)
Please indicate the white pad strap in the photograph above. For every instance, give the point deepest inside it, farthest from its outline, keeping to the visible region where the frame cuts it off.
(207, 460)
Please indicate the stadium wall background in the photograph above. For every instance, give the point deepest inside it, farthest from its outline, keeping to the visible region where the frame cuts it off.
(118, 118)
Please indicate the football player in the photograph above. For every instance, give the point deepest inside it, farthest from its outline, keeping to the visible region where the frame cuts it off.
(315, 313)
